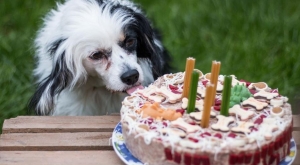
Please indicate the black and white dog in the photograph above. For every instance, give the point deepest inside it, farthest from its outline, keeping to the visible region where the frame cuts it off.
(90, 52)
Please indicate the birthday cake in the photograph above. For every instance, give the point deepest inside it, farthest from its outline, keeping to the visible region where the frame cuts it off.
(159, 130)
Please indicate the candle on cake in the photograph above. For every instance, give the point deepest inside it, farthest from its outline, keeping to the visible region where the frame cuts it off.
(189, 67)
(207, 106)
(226, 96)
(193, 91)
(215, 70)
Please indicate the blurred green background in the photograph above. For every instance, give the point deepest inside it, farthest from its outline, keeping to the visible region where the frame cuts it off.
(255, 40)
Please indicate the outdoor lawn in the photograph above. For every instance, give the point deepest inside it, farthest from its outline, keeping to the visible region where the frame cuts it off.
(257, 40)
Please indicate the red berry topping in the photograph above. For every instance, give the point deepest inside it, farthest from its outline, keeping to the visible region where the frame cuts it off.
(232, 135)
(180, 111)
(204, 82)
(218, 102)
(262, 116)
(165, 124)
(258, 121)
(173, 87)
(217, 107)
(252, 91)
(253, 129)
(205, 134)
(218, 135)
(192, 123)
(193, 139)
(247, 82)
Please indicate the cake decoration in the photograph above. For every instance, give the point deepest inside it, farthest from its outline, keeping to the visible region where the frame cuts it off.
(277, 111)
(215, 71)
(268, 126)
(155, 111)
(207, 106)
(193, 92)
(198, 104)
(240, 112)
(276, 102)
(239, 93)
(258, 86)
(242, 127)
(198, 115)
(189, 67)
(226, 96)
(236, 82)
(257, 129)
(222, 124)
(180, 123)
(255, 103)
(265, 95)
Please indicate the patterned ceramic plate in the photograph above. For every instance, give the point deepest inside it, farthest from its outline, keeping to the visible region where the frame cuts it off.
(126, 156)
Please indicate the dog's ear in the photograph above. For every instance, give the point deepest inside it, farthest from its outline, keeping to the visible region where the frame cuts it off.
(42, 100)
(150, 46)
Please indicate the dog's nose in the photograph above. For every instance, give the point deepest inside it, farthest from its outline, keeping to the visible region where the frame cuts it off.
(130, 77)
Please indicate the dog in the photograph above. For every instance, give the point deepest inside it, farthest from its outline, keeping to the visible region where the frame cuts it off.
(90, 52)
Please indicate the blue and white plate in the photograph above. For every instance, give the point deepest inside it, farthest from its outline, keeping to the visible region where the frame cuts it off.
(126, 156)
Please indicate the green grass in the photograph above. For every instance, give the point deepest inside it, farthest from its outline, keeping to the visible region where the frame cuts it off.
(255, 40)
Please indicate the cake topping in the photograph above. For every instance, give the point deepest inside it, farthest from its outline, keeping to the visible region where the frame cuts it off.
(276, 102)
(239, 93)
(198, 105)
(207, 76)
(266, 95)
(174, 132)
(181, 124)
(223, 122)
(150, 94)
(154, 110)
(198, 115)
(242, 127)
(240, 112)
(277, 111)
(170, 96)
(254, 103)
(268, 126)
(236, 82)
(201, 91)
(258, 86)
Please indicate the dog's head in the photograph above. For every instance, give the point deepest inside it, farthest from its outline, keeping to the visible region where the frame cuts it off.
(109, 42)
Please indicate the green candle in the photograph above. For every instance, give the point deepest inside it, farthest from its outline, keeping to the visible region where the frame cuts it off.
(226, 96)
(193, 92)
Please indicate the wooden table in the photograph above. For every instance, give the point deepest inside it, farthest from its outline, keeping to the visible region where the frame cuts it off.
(69, 140)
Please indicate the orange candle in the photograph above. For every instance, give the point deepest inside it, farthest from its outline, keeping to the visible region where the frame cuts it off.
(189, 67)
(207, 106)
(215, 70)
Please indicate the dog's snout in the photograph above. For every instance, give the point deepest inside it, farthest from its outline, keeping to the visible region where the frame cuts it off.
(130, 77)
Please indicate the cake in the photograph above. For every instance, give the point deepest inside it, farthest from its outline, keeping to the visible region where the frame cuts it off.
(158, 130)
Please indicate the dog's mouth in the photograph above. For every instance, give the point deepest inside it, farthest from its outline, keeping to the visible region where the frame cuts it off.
(132, 89)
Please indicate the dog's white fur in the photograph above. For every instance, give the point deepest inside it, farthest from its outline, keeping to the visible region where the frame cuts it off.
(71, 81)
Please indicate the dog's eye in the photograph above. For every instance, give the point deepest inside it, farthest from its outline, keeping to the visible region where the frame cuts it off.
(130, 42)
(97, 56)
